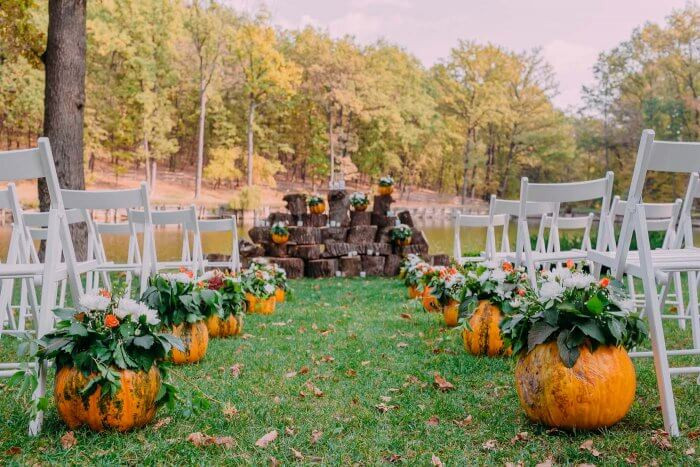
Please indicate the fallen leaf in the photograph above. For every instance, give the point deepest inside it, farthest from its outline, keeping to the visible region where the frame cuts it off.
(351, 373)
(266, 439)
(693, 434)
(631, 459)
(274, 462)
(522, 436)
(402, 345)
(297, 455)
(689, 451)
(464, 422)
(391, 458)
(406, 316)
(365, 363)
(442, 384)
(661, 439)
(519, 464)
(246, 336)
(548, 462)
(68, 440)
(13, 451)
(435, 461)
(199, 439)
(291, 374)
(552, 431)
(316, 391)
(327, 358)
(303, 370)
(289, 431)
(277, 400)
(383, 408)
(385, 398)
(230, 410)
(162, 422)
(278, 323)
(301, 330)
(433, 421)
(236, 370)
(489, 445)
(315, 436)
(588, 446)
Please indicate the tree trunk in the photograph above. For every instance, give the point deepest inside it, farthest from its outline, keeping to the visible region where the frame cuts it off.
(330, 141)
(64, 101)
(251, 119)
(465, 173)
(154, 176)
(200, 141)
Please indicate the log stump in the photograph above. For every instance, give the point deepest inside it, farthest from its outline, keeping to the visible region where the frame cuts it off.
(374, 248)
(418, 238)
(335, 249)
(383, 235)
(406, 218)
(306, 252)
(360, 218)
(338, 207)
(294, 267)
(305, 235)
(362, 234)
(392, 265)
(250, 250)
(283, 217)
(380, 220)
(440, 260)
(314, 220)
(259, 234)
(382, 204)
(373, 265)
(334, 234)
(350, 266)
(296, 204)
(274, 250)
(321, 267)
(404, 251)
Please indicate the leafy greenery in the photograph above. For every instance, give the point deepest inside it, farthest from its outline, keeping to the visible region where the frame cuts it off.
(314, 200)
(387, 180)
(400, 233)
(260, 279)
(229, 290)
(447, 285)
(412, 269)
(278, 228)
(359, 199)
(175, 298)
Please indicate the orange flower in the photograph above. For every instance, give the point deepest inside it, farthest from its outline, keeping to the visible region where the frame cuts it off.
(570, 263)
(604, 282)
(521, 292)
(105, 293)
(200, 284)
(189, 273)
(111, 321)
(507, 266)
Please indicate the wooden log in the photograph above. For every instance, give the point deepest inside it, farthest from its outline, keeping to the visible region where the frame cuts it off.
(380, 220)
(383, 235)
(335, 249)
(406, 218)
(418, 238)
(321, 267)
(440, 260)
(374, 248)
(250, 250)
(360, 218)
(373, 265)
(362, 234)
(294, 267)
(283, 217)
(306, 252)
(350, 266)
(314, 220)
(382, 204)
(296, 204)
(338, 207)
(392, 265)
(276, 251)
(334, 234)
(411, 249)
(305, 235)
(259, 234)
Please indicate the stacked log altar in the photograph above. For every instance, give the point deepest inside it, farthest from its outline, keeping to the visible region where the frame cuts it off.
(341, 243)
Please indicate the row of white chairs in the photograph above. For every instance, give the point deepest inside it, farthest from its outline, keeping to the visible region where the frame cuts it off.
(658, 269)
(44, 285)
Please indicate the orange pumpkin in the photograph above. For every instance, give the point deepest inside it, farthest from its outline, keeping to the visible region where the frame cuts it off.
(597, 392)
(386, 190)
(319, 208)
(450, 313)
(485, 335)
(133, 405)
(196, 339)
(280, 295)
(280, 239)
(230, 326)
(413, 292)
(404, 242)
(430, 302)
(265, 306)
(361, 207)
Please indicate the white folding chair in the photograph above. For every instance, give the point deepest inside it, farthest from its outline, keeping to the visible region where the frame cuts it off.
(132, 266)
(221, 225)
(37, 163)
(558, 193)
(654, 266)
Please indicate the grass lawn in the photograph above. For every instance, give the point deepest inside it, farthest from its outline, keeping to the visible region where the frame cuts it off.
(360, 353)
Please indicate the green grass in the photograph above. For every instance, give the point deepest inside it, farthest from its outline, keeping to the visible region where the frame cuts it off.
(367, 335)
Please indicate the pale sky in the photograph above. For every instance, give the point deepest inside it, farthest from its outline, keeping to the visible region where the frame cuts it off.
(571, 33)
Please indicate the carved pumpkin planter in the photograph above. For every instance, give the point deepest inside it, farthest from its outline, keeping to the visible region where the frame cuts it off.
(386, 190)
(596, 392)
(404, 242)
(485, 335)
(280, 295)
(195, 337)
(430, 302)
(360, 207)
(265, 306)
(413, 292)
(318, 208)
(280, 239)
(450, 313)
(227, 327)
(133, 405)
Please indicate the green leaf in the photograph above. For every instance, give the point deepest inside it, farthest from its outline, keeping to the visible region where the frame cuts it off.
(77, 329)
(595, 305)
(539, 332)
(568, 355)
(592, 330)
(145, 342)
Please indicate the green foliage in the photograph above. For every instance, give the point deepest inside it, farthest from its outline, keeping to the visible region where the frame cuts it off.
(176, 300)
(314, 200)
(278, 228)
(400, 232)
(248, 198)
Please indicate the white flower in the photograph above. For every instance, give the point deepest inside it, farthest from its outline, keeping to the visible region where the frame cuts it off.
(177, 277)
(129, 307)
(484, 276)
(550, 290)
(209, 275)
(516, 302)
(269, 289)
(490, 264)
(579, 280)
(625, 304)
(94, 302)
(498, 275)
(560, 273)
(454, 280)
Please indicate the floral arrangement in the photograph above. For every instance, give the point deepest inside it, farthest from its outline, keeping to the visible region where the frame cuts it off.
(412, 270)
(279, 228)
(359, 199)
(107, 332)
(174, 296)
(280, 277)
(229, 292)
(400, 233)
(386, 181)
(572, 308)
(446, 285)
(258, 280)
(314, 200)
(501, 283)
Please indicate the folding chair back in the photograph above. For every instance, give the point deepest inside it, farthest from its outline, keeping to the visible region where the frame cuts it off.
(223, 225)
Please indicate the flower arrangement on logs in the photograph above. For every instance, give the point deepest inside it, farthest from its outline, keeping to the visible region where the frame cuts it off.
(401, 235)
(386, 185)
(279, 233)
(573, 371)
(107, 354)
(225, 318)
(316, 204)
(446, 287)
(182, 310)
(412, 270)
(259, 286)
(493, 289)
(359, 201)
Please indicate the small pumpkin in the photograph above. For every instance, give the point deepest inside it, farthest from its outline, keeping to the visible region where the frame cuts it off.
(413, 292)
(265, 306)
(430, 301)
(133, 405)
(450, 313)
(404, 242)
(485, 335)
(229, 326)
(360, 207)
(319, 208)
(280, 239)
(596, 392)
(280, 295)
(386, 190)
(195, 337)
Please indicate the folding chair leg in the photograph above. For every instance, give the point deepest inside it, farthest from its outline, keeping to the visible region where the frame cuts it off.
(678, 290)
(693, 310)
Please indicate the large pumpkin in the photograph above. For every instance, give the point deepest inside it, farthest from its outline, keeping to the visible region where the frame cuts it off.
(133, 405)
(265, 306)
(413, 292)
(597, 392)
(386, 190)
(195, 337)
(450, 313)
(430, 302)
(485, 335)
(280, 295)
(230, 326)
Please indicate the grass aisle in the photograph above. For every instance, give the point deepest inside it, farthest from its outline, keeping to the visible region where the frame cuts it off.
(317, 371)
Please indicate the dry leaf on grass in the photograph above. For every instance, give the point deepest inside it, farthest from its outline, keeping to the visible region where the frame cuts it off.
(631, 459)
(433, 421)
(661, 439)
(266, 439)
(693, 434)
(365, 363)
(316, 391)
(385, 398)
(489, 445)
(236, 370)
(291, 374)
(383, 408)
(406, 316)
(689, 451)
(13, 451)
(68, 440)
(315, 436)
(297, 454)
(442, 384)
(327, 358)
(273, 461)
(351, 373)
(464, 422)
(162, 422)
(246, 336)
(402, 345)
(435, 461)
(199, 439)
(391, 458)
(588, 446)
(230, 410)
(289, 431)
(522, 436)
(548, 462)
(303, 370)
